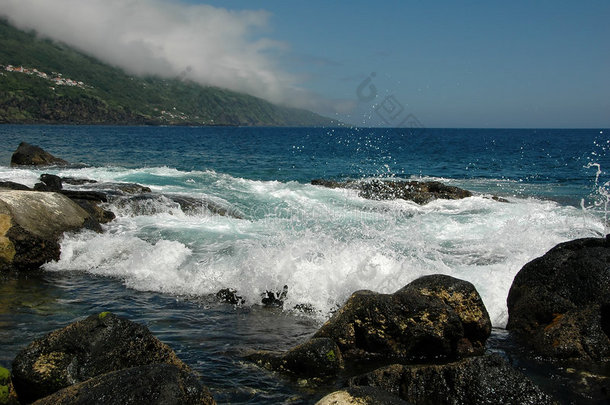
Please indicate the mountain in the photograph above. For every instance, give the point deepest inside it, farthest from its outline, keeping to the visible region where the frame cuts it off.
(42, 81)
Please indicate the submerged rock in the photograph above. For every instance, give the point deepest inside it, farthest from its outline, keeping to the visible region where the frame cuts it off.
(31, 224)
(475, 380)
(558, 303)
(31, 155)
(153, 384)
(317, 358)
(151, 203)
(85, 349)
(420, 192)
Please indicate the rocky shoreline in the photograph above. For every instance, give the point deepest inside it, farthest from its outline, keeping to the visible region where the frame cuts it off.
(425, 343)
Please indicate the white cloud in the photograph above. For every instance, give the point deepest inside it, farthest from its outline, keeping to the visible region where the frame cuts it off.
(212, 46)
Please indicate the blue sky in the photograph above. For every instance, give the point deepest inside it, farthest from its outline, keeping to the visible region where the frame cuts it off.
(451, 64)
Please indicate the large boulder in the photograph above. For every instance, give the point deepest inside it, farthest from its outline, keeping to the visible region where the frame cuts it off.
(435, 318)
(420, 192)
(153, 384)
(31, 224)
(475, 380)
(559, 304)
(465, 300)
(31, 155)
(86, 349)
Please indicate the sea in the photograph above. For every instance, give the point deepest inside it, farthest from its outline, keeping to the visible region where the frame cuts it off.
(161, 266)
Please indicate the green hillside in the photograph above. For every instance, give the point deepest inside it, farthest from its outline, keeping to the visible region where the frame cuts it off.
(108, 95)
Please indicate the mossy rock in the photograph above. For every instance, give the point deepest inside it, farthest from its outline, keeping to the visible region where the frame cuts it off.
(85, 349)
(7, 392)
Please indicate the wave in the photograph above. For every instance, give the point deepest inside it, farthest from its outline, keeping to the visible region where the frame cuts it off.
(324, 244)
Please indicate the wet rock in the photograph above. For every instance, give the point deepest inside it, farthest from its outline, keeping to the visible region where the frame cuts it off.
(361, 396)
(11, 185)
(274, 298)
(420, 192)
(230, 296)
(50, 182)
(475, 380)
(150, 204)
(317, 358)
(153, 384)
(558, 303)
(86, 349)
(77, 182)
(406, 325)
(31, 224)
(31, 155)
(7, 392)
(465, 300)
(97, 196)
(98, 213)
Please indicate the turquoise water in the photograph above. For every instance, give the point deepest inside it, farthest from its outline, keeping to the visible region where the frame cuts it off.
(161, 266)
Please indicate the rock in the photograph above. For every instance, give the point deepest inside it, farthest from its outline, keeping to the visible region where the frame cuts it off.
(98, 213)
(465, 300)
(52, 182)
(420, 192)
(7, 392)
(77, 182)
(230, 296)
(30, 155)
(150, 204)
(317, 358)
(361, 396)
(11, 185)
(85, 349)
(558, 303)
(475, 380)
(274, 298)
(85, 195)
(153, 384)
(435, 318)
(31, 224)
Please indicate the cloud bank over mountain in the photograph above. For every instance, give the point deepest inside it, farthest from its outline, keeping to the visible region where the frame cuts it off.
(205, 44)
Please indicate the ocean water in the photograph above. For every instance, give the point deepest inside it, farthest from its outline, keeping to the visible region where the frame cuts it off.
(161, 266)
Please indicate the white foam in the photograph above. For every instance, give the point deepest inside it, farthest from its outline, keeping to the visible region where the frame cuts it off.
(325, 244)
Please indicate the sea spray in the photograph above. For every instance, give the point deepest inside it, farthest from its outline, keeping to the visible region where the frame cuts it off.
(324, 244)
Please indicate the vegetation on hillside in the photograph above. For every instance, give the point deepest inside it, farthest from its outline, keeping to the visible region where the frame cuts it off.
(110, 96)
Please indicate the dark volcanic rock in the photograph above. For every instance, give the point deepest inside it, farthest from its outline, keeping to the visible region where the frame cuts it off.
(30, 155)
(11, 185)
(475, 380)
(94, 346)
(230, 296)
(98, 213)
(318, 358)
(77, 182)
(153, 384)
(437, 317)
(52, 181)
(85, 195)
(421, 192)
(465, 301)
(558, 303)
